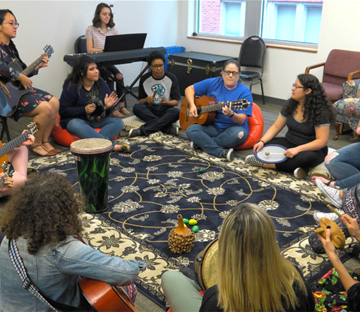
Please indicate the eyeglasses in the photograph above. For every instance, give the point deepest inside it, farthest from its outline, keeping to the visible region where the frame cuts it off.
(157, 66)
(297, 87)
(228, 73)
(12, 24)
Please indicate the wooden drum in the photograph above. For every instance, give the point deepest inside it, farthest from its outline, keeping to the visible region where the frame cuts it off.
(92, 157)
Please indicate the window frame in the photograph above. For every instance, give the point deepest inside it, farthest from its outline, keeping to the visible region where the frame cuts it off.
(253, 15)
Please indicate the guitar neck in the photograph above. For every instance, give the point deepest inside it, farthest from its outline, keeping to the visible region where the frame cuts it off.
(4, 149)
(215, 107)
(28, 70)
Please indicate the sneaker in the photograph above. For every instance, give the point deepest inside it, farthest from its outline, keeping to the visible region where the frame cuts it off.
(300, 173)
(331, 193)
(329, 215)
(228, 154)
(134, 133)
(174, 130)
(253, 161)
(193, 146)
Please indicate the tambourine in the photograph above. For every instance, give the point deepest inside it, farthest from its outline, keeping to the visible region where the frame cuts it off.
(271, 154)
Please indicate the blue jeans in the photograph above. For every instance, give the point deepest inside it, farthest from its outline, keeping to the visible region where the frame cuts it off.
(85, 129)
(214, 141)
(345, 167)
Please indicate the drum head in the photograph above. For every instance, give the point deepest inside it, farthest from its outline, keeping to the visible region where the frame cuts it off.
(271, 154)
(91, 146)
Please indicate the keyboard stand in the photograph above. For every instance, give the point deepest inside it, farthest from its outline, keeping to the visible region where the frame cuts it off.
(127, 89)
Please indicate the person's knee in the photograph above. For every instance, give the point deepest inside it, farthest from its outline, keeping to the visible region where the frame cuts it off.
(330, 157)
(168, 277)
(241, 135)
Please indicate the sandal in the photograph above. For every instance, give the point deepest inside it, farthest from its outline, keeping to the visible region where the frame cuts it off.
(355, 252)
(52, 149)
(117, 114)
(49, 153)
(124, 111)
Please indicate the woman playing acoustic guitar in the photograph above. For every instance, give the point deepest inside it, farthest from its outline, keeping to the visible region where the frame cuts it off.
(42, 218)
(230, 127)
(40, 105)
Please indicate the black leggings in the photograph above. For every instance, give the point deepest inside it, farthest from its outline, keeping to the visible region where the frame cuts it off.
(305, 160)
(109, 73)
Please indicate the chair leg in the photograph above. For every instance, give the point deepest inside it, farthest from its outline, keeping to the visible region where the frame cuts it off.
(5, 129)
(262, 91)
(338, 127)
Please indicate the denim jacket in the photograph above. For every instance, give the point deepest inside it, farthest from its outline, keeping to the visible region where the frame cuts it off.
(55, 271)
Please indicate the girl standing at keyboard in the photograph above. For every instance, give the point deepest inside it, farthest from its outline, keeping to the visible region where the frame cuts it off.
(102, 26)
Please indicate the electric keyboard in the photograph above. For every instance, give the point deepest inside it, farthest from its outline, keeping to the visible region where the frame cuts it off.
(120, 57)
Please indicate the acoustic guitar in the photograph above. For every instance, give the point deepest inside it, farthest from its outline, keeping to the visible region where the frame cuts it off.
(206, 109)
(11, 92)
(105, 297)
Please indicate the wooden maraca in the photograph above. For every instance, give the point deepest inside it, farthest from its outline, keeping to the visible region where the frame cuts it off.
(181, 239)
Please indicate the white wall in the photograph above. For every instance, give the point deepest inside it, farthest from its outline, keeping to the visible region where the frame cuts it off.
(59, 23)
(338, 31)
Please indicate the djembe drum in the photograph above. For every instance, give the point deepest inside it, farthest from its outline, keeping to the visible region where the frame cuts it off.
(92, 157)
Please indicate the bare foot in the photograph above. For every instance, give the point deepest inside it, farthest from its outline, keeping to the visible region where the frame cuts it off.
(324, 180)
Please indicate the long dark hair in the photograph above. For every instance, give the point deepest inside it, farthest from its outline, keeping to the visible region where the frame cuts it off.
(79, 71)
(3, 14)
(96, 20)
(316, 103)
(45, 210)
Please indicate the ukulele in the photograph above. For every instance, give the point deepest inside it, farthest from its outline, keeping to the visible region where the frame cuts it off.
(13, 91)
(6, 148)
(206, 109)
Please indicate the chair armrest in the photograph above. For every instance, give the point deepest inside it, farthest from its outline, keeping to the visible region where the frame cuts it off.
(307, 69)
(351, 75)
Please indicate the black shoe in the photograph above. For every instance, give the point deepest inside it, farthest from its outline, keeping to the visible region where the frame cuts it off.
(134, 132)
(228, 154)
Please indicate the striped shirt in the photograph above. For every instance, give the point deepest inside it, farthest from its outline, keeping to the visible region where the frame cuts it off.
(98, 36)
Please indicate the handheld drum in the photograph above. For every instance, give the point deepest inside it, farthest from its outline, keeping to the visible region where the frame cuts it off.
(92, 157)
(271, 154)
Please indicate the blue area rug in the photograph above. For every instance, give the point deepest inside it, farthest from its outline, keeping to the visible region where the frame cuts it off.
(149, 187)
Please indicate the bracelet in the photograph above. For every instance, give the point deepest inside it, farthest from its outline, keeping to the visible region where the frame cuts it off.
(232, 115)
(261, 141)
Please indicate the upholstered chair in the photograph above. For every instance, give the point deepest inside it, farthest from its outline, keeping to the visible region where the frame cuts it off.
(348, 108)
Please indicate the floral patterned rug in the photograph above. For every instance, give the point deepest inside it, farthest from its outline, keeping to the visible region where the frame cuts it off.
(161, 178)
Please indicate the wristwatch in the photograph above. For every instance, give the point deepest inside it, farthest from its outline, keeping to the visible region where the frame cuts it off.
(232, 115)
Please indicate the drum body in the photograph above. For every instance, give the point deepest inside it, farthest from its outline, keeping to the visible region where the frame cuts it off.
(92, 157)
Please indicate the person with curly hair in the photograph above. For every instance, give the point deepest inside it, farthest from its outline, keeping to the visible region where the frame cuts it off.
(103, 25)
(307, 115)
(252, 274)
(42, 217)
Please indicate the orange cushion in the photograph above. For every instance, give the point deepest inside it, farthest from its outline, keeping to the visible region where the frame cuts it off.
(256, 126)
(62, 136)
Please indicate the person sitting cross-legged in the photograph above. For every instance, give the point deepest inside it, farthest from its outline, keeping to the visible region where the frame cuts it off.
(307, 116)
(159, 94)
(230, 127)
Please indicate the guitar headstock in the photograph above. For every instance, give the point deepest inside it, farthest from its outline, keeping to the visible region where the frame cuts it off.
(240, 104)
(33, 127)
(48, 50)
